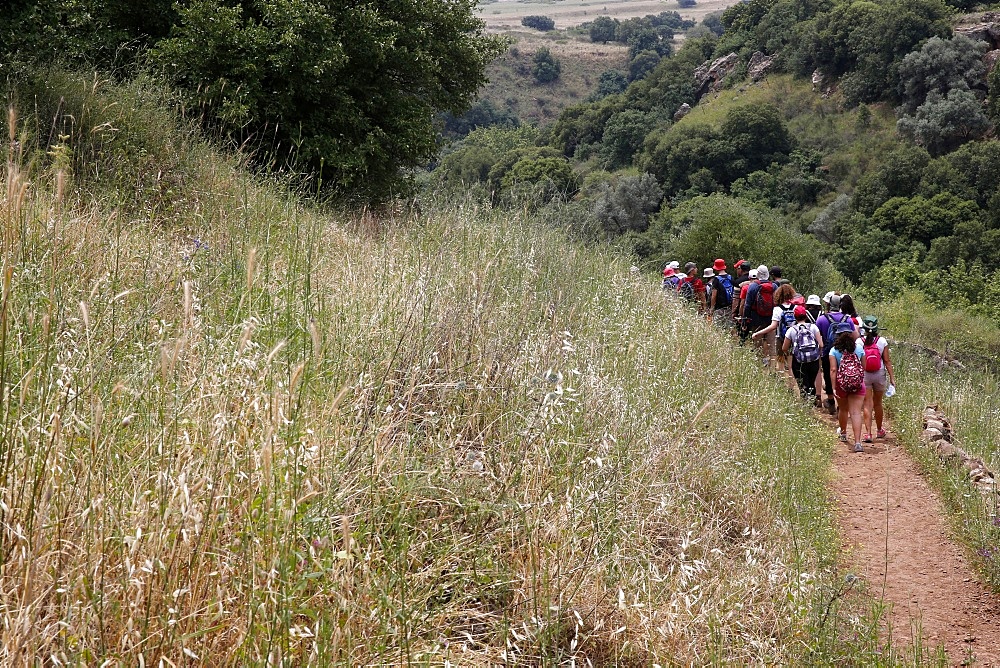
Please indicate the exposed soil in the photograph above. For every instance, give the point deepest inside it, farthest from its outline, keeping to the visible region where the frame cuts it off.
(896, 536)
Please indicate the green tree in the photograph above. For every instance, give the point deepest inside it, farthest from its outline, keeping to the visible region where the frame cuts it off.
(940, 66)
(602, 29)
(542, 178)
(609, 83)
(542, 23)
(624, 134)
(942, 124)
(546, 67)
(642, 64)
(350, 89)
(99, 32)
(626, 205)
(922, 220)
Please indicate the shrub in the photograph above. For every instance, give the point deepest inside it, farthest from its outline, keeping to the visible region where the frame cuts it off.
(547, 67)
(543, 23)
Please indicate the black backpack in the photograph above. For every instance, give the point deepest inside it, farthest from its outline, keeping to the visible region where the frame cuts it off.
(686, 288)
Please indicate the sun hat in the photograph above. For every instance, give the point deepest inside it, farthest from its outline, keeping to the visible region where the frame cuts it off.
(870, 323)
(719, 265)
(753, 273)
(762, 272)
(709, 273)
(675, 265)
(688, 266)
(828, 296)
(835, 301)
(668, 272)
(799, 311)
(813, 300)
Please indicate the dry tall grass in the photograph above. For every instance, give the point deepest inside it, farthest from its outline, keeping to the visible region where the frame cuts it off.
(242, 431)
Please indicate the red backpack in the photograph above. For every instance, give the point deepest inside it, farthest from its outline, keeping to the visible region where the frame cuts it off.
(763, 303)
(850, 373)
(873, 356)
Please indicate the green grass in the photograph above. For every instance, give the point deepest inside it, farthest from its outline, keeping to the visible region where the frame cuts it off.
(255, 431)
(970, 397)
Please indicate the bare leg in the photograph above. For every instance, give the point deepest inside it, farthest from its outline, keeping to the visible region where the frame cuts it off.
(842, 415)
(877, 403)
(855, 404)
(867, 412)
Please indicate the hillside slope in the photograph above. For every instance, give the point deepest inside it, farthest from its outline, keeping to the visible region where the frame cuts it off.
(244, 430)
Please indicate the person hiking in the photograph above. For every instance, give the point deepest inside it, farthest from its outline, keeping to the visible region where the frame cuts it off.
(847, 308)
(743, 280)
(758, 309)
(805, 343)
(879, 375)
(782, 316)
(691, 287)
(706, 278)
(848, 371)
(814, 308)
(720, 300)
(831, 323)
(776, 276)
(670, 279)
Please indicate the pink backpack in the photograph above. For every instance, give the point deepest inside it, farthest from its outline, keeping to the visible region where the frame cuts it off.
(873, 356)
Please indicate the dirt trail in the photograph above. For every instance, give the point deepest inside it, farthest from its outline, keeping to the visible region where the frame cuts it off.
(890, 517)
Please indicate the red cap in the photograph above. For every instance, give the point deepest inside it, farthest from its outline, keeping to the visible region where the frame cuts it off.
(799, 300)
(719, 265)
(799, 311)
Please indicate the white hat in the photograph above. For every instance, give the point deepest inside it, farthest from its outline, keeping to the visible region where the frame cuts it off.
(813, 300)
(827, 296)
(753, 273)
(673, 265)
(709, 272)
(763, 273)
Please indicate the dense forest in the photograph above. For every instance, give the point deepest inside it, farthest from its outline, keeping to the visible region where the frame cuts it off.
(857, 135)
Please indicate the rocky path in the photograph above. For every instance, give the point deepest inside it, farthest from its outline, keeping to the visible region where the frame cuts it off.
(895, 534)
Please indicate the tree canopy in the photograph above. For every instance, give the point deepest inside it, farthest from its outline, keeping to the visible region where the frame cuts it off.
(346, 89)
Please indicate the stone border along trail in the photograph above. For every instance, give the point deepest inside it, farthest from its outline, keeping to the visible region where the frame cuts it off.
(895, 534)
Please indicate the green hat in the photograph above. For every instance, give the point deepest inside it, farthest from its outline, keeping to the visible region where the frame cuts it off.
(870, 323)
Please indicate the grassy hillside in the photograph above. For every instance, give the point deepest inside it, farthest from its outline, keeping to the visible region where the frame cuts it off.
(242, 429)
(512, 87)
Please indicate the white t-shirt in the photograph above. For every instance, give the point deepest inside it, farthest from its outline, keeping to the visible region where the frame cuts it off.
(778, 310)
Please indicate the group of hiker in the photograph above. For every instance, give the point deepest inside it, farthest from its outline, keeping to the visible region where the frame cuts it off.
(821, 342)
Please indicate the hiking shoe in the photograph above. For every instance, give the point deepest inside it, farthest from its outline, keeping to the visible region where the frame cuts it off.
(843, 438)
(867, 438)
(831, 406)
(858, 447)
(881, 433)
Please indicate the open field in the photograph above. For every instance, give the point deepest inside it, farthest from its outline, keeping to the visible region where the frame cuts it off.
(506, 14)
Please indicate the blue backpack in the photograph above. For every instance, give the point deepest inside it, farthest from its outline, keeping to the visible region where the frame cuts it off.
(725, 294)
(837, 326)
(787, 320)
